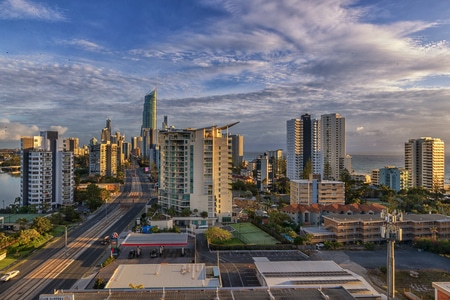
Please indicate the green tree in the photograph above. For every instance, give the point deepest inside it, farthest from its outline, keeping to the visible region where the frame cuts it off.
(70, 213)
(307, 170)
(22, 223)
(186, 212)
(204, 214)
(217, 235)
(41, 224)
(93, 197)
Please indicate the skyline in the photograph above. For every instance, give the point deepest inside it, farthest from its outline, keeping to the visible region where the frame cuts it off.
(382, 65)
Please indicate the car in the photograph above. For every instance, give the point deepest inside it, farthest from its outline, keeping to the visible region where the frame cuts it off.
(154, 253)
(9, 275)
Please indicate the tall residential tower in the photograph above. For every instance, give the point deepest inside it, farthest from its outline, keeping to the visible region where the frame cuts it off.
(195, 170)
(424, 160)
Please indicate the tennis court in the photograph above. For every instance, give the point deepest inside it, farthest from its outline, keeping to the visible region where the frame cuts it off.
(252, 235)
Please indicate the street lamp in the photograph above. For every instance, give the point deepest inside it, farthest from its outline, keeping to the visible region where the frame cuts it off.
(391, 232)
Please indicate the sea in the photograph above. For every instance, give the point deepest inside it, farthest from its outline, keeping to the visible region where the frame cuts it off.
(364, 164)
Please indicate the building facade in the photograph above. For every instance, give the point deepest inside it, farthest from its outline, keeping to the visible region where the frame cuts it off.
(335, 159)
(237, 149)
(425, 163)
(311, 191)
(102, 159)
(195, 170)
(394, 178)
(303, 146)
(47, 172)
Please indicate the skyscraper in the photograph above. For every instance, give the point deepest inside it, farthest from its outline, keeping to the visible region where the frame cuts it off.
(303, 146)
(424, 160)
(237, 149)
(335, 159)
(148, 128)
(149, 113)
(195, 172)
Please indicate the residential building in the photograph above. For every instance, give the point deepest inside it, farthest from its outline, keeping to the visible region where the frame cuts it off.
(102, 159)
(394, 178)
(264, 173)
(195, 170)
(47, 172)
(424, 161)
(313, 190)
(237, 149)
(303, 146)
(278, 163)
(332, 134)
(375, 177)
(351, 228)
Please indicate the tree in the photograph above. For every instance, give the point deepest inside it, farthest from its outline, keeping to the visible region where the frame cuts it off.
(186, 212)
(22, 223)
(42, 224)
(204, 214)
(217, 235)
(307, 170)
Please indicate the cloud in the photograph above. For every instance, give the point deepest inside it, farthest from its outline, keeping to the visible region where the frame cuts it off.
(12, 131)
(23, 9)
(83, 44)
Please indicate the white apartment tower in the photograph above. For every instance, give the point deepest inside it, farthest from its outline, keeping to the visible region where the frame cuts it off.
(195, 170)
(47, 179)
(303, 146)
(425, 162)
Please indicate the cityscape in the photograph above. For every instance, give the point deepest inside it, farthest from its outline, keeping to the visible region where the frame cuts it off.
(224, 150)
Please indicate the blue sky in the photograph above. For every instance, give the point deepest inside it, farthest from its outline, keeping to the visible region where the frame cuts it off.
(383, 65)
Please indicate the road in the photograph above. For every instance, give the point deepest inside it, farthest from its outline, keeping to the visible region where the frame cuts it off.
(134, 185)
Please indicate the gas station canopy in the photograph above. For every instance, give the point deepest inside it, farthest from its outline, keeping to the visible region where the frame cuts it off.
(156, 239)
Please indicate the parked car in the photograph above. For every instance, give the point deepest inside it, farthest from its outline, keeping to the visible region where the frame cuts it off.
(9, 275)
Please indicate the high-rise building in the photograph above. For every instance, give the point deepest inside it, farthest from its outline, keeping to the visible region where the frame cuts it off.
(303, 146)
(149, 113)
(335, 158)
(393, 177)
(264, 173)
(195, 170)
(237, 149)
(425, 162)
(102, 158)
(149, 131)
(47, 172)
(106, 132)
(277, 161)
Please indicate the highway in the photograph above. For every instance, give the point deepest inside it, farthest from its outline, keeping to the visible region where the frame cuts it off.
(58, 267)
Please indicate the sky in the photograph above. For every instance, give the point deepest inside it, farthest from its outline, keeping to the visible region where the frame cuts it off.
(383, 65)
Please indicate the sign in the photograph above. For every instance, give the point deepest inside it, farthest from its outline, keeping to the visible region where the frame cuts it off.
(115, 235)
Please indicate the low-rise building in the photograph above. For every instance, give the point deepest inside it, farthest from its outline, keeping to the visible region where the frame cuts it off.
(310, 191)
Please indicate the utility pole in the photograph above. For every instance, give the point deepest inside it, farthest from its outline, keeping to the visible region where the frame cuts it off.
(391, 232)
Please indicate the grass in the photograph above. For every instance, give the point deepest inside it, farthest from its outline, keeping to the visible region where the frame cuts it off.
(251, 235)
(421, 286)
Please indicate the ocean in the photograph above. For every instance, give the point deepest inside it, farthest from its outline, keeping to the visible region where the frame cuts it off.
(364, 164)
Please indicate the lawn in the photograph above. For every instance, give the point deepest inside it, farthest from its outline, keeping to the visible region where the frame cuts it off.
(252, 235)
